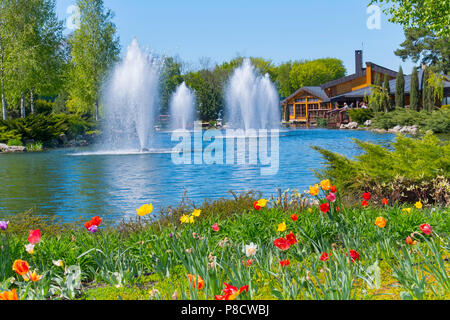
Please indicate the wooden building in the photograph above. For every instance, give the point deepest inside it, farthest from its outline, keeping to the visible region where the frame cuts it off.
(305, 105)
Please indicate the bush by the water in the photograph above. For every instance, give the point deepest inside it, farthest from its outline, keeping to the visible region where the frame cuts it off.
(44, 127)
(360, 115)
(408, 169)
(438, 121)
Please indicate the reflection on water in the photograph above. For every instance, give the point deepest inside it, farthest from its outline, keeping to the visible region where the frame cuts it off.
(80, 182)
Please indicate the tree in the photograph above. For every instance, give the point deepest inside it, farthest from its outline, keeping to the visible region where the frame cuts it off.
(283, 82)
(170, 79)
(316, 72)
(400, 90)
(425, 47)
(414, 94)
(377, 97)
(387, 91)
(427, 91)
(431, 15)
(30, 41)
(95, 49)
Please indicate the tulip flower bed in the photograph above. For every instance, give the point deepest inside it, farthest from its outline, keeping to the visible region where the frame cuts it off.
(323, 250)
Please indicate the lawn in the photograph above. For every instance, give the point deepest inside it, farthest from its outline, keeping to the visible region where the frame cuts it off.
(296, 246)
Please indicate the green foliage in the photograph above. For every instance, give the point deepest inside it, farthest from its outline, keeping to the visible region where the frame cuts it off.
(360, 115)
(414, 92)
(170, 79)
(387, 105)
(94, 48)
(14, 142)
(428, 100)
(410, 168)
(438, 121)
(427, 48)
(430, 15)
(400, 90)
(43, 127)
(42, 106)
(316, 72)
(322, 122)
(378, 96)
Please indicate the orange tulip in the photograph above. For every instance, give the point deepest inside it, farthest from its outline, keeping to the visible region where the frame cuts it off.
(380, 222)
(196, 281)
(21, 267)
(9, 295)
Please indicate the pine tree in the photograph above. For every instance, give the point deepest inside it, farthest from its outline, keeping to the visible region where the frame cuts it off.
(414, 93)
(387, 91)
(377, 97)
(400, 90)
(427, 92)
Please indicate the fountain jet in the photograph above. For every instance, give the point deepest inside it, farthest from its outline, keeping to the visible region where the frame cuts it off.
(251, 100)
(131, 99)
(182, 108)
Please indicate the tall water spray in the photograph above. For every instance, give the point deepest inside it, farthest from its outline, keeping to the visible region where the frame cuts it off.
(131, 99)
(182, 108)
(252, 101)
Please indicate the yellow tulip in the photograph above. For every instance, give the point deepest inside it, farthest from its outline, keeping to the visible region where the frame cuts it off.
(282, 227)
(184, 218)
(314, 191)
(419, 205)
(145, 210)
(407, 210)
(196, 213)
(262, 203)
(325, 185)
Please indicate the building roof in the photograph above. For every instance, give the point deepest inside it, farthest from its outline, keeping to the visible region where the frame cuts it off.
(359, 94)
(315, 91)
(374, 67)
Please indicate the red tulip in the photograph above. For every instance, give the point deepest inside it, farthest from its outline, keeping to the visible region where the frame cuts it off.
(34, 237)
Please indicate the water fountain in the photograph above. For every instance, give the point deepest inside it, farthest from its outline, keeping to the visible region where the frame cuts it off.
(252, 100)
(182, 108)
(131, 100)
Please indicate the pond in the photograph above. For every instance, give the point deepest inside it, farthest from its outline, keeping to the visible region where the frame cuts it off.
(70, 183)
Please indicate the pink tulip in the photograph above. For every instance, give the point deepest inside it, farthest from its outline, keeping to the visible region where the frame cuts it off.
(215, 227)
(426, 228)
(331, 197)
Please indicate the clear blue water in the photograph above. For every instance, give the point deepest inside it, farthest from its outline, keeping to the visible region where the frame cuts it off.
(70, 183)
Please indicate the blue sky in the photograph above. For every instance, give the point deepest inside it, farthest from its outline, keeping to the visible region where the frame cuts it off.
(279, 30)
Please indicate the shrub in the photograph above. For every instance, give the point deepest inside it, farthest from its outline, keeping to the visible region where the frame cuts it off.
(408, 169)
(360, 115)
(438, 121)
(15, 142)
(322, 122)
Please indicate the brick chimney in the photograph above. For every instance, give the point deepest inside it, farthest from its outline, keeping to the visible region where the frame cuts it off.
(358, 62)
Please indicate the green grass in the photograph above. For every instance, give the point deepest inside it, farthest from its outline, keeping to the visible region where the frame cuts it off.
(147, 259)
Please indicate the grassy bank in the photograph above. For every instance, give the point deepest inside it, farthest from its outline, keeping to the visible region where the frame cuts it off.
(289, 248)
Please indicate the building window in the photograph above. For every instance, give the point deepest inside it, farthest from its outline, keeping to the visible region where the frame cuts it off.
(313, 106)
(300, 110)
(291, 109)
(301, 100)
(313, 100)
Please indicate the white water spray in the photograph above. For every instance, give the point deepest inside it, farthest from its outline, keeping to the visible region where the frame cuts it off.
(131, 100)
(252, 101)
(182, 108)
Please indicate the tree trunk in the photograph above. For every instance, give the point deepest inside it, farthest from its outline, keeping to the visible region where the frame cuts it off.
(2, 82)
(4, 106)
(96, 110)
(32, 101)
(22, 105)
